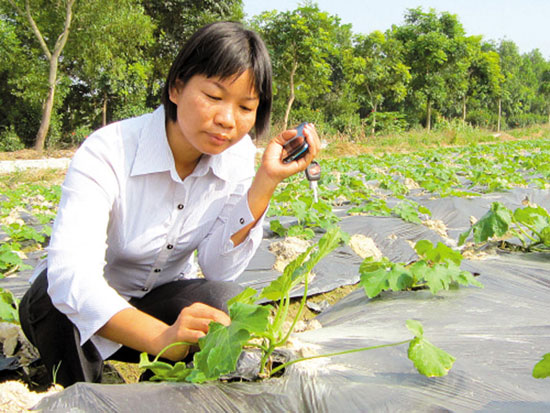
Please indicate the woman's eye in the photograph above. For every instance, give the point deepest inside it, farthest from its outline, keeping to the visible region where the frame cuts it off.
(246, 108)
(213, 97)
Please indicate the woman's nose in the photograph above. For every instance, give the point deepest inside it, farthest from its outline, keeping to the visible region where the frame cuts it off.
(225, 116)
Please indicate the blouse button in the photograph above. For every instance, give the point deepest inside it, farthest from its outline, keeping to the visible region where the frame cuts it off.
(241, 221)
(169, 246)
(180, 206)
(145, 289)
(157, 269)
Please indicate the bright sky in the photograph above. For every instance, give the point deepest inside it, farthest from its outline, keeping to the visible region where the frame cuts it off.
(525, 22)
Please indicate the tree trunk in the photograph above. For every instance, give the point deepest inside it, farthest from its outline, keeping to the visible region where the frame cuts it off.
(104, 120)
(53, 58)
(47, 108)
(499, 113)
(464, 110)
(292, 95)
(429, 115)
(373, 126)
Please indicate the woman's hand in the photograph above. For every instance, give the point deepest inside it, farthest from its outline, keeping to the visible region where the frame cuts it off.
(143, 332)
(272, 171)
(192, 323)
(272, 165)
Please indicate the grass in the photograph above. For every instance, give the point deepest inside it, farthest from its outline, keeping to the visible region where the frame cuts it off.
(419, 139)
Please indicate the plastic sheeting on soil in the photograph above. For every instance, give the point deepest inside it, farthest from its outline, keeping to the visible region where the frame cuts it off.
(497, 335)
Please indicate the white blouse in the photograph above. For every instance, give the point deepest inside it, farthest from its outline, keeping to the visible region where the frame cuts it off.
(127, 223)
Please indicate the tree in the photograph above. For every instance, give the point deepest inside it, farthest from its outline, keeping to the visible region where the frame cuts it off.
(46, 24)
(300, 42)
(383, 74)
(544, 89)
(106, 59)
(482, 77)
(175, 21)
(433, 46)
(510, 100)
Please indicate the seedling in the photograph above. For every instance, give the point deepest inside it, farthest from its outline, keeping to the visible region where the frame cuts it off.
(437, 269)
(252, 326)
(531, 225)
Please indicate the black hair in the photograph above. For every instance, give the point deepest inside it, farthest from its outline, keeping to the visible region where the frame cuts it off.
(224, 50)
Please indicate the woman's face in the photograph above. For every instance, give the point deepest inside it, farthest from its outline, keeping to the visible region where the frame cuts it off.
(213, 114)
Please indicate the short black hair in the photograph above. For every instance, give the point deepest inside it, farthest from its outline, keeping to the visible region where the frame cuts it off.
(224, 49)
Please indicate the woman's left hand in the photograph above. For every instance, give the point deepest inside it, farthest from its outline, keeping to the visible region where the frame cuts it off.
(272, 171)
(272, 163)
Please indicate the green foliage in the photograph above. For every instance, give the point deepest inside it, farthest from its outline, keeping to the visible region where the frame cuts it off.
(437, 269)
(409, 211)
(428, 359)
(9, 141)
(531, 224)
(8, 307)
(351, 85)
(221, 347)
(542, 368)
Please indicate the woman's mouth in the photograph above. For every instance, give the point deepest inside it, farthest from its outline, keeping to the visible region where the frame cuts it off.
(220, 138)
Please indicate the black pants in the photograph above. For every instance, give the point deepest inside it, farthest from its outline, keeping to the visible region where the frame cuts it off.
(58, 340)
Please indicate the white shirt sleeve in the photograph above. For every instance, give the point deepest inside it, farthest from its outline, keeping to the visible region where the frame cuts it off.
(218, 258)
(76, 255)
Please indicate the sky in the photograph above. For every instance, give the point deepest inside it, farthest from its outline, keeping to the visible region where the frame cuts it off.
(525, 22)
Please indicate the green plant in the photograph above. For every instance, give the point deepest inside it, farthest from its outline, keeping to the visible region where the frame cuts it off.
(542, 368)
(10, 259)
(251, 325)
(438, 269)
(531, 225)
(9, 141)
(9, 306)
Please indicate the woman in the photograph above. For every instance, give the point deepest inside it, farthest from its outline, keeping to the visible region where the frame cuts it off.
(142, 195)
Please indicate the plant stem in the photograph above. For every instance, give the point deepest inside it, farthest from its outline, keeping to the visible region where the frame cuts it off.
(525, 232)
(298, 314)
(339, 353)
(169, 346)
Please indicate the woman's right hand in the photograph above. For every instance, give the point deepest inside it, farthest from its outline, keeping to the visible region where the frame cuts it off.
(192, 323)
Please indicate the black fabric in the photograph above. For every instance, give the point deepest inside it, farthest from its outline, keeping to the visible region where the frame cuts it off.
(57, 339)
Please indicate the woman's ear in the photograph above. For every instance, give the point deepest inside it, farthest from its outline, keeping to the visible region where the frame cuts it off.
(175, 91)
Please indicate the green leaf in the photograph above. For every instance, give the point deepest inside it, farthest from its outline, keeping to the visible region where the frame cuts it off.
(300, 231)
(535, 217)
(374, 282)
(400, 278)
(221, 347)
(278, 228)
(282, 285)
(164, 371)
(542, 368)
(429, 360)
(545, 236)
(438, 254)
(467, 278)
(247, 296)
(462, 238)
(415, 327)
(407, 212)
(495, 223)
(8, 307)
